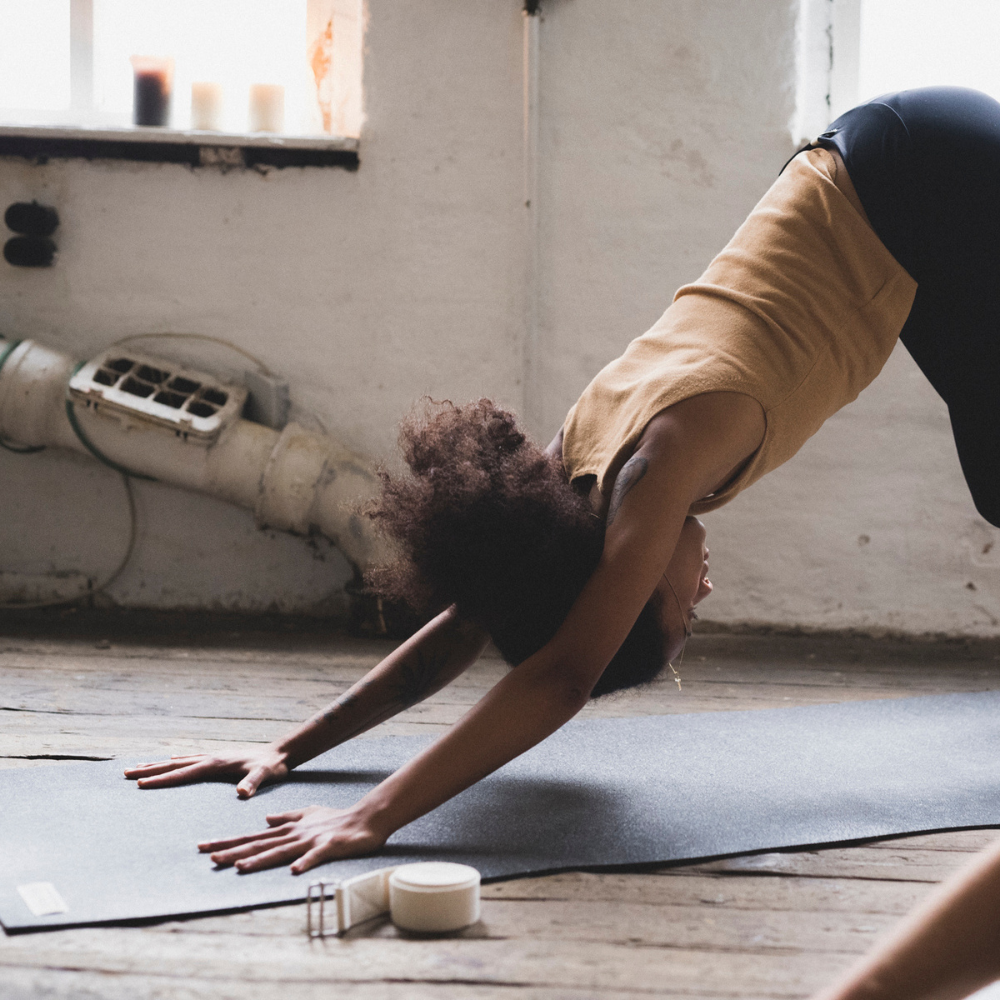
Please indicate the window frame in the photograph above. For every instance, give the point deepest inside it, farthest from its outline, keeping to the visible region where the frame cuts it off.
(159, 145)
(225, 150)
(827, 64)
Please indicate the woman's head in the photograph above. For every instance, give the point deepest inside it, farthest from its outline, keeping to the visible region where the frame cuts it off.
(488, 522)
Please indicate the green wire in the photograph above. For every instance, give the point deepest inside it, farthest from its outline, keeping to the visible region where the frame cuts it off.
(29, 449)
(89, 445)
(8, 351)
(125, 474)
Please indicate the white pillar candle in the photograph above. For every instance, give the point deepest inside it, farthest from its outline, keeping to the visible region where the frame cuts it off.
(206, 106)
(267, 107)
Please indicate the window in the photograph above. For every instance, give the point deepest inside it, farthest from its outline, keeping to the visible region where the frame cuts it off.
(921, 43)
(66, 63)
(853, 50)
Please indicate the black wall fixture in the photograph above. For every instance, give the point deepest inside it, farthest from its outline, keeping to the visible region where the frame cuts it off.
(35, 224)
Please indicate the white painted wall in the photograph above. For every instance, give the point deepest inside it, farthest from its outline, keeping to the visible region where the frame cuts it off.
(660, 125)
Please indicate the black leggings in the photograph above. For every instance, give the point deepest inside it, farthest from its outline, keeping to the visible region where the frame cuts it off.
(926, 166)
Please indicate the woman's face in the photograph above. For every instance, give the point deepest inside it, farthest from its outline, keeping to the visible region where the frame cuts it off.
(684, 585)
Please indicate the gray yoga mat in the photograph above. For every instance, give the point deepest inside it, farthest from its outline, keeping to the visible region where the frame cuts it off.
(608, 792)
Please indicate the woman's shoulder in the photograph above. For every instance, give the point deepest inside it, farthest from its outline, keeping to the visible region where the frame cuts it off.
(715, 432)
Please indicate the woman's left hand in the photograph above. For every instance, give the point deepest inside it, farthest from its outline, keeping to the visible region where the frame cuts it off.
(305, 837)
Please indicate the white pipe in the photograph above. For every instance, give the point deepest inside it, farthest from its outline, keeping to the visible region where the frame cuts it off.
(293, 480)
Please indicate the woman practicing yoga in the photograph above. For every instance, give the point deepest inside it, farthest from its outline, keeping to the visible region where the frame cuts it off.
(584, 563)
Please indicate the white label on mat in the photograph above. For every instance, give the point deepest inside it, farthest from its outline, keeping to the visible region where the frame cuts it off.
(42, 898)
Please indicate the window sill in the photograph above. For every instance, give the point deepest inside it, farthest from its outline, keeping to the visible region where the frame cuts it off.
(162, 145)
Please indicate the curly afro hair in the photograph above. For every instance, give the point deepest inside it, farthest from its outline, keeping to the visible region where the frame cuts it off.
(488, 522)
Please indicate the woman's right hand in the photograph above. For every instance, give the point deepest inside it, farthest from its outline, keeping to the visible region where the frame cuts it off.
(254, 768)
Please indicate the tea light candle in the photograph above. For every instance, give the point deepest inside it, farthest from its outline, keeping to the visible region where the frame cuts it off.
(153, 82)
(267, 107)
(206, 106)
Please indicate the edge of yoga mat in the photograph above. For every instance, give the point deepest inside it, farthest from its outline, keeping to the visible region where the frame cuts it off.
(599, 794)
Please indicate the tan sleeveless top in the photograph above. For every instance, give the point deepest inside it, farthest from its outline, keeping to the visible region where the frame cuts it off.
(800, 311)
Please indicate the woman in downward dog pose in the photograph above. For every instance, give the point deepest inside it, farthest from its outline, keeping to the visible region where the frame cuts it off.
(584, 563)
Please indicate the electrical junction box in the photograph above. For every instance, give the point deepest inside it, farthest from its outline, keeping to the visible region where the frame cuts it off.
(137, 388)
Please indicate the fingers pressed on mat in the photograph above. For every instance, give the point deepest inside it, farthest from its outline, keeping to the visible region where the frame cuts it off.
(174, 761)
(257, 848)
(310, 859)
(226, 843)
(251, 782)
(156, 768)
(175, 776)
(275, 819)
(272, 858)
(149, 770)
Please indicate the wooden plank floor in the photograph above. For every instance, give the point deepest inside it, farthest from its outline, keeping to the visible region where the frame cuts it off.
(771, 925)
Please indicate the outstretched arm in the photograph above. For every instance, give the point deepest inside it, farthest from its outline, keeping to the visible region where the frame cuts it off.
(685, 454)
(523, 708)
(425, 663)
(945, 950)
(429, 660)
(527, 705)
